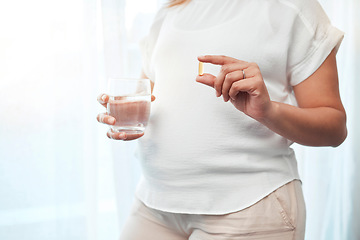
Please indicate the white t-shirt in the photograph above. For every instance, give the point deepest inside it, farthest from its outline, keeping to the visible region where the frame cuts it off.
(199, 154)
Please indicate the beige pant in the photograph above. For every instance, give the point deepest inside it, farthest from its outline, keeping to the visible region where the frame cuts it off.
(279, 216)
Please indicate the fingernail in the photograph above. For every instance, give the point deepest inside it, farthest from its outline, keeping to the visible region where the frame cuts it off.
(103, 98)
(111, 120)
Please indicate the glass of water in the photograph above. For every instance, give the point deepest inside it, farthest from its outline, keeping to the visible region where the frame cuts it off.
(129, 104)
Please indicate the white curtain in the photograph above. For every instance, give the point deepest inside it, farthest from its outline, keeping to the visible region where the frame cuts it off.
(57, 168)
(61, 178)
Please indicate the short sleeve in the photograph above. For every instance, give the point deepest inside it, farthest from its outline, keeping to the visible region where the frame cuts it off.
(148, 43)
(312, 40)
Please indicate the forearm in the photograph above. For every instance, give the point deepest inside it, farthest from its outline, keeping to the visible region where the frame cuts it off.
(320, 126)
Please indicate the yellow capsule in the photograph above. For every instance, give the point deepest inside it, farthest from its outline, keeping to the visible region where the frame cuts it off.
(201, 68)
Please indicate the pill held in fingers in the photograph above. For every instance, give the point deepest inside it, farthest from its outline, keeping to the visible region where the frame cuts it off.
(201, 68)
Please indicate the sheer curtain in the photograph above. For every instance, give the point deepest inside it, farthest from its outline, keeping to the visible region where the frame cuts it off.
(58, 173)
(124, 26)
(56, 178)
(61, 178)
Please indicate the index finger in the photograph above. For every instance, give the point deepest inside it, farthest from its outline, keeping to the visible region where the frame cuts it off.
(103, 99)
(217, 59)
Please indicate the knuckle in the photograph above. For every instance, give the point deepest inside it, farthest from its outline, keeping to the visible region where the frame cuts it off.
(253, 64)
(224, 68)
(229, 77)
(258, 80)
(237, 86)
(256, 73)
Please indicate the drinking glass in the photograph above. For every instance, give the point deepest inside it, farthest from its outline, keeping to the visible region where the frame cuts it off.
(129, 104)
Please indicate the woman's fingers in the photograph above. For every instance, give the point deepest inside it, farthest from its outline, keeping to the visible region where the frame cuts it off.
(235, 76)
(109, 120)
(210, 81)
(218, 59)
(225, 71)
(105, 118)
(246, 85)
(230, 78)
(229, 65)
(252, 84)
(116, 135)
(103, 99)
(123, 135)
(206, 79)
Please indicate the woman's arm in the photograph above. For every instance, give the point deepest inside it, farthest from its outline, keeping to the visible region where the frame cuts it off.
(319, 119)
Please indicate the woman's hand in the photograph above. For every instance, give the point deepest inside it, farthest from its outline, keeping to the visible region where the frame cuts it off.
(248, 94)
(318, 120)
(109, 120)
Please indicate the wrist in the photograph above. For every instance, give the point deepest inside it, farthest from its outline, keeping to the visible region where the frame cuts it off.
(270, 114)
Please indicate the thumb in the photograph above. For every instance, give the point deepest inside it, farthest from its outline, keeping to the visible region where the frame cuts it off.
(206, 79)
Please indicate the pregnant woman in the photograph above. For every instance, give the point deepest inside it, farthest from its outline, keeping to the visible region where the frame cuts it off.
(216, 156)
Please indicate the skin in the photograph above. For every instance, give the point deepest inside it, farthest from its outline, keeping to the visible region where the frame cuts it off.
(319, 119)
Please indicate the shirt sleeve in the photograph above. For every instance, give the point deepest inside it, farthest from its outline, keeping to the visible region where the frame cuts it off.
(312, 39)
(148, 43)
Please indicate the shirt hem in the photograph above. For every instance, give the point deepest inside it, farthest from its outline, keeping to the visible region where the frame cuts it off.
(141, 192)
